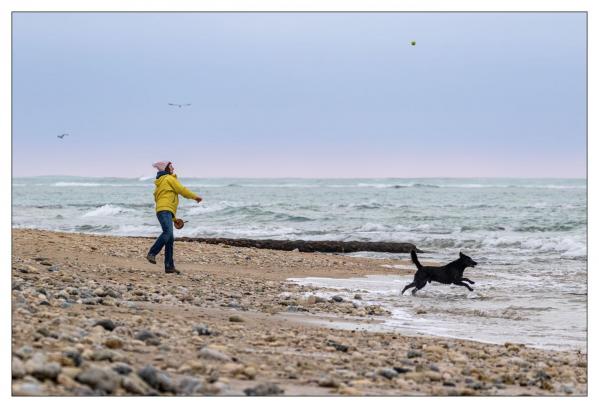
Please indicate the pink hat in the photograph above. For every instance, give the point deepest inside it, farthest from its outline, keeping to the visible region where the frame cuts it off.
(161, 165)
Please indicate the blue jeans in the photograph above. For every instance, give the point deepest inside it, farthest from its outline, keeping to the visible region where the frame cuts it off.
(166, 239)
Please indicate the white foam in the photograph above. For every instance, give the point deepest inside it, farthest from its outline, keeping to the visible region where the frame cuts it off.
(106, 210)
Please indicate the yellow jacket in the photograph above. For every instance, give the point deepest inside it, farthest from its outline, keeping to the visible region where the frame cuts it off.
(167, 193)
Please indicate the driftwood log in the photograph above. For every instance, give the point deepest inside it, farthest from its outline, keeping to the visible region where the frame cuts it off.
(310, 246)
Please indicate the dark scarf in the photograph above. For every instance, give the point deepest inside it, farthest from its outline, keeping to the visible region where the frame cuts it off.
(161, 173)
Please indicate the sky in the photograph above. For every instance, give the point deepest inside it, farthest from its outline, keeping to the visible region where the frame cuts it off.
(314, 95)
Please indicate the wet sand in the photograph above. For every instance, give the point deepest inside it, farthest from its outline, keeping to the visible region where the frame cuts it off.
(90, 316)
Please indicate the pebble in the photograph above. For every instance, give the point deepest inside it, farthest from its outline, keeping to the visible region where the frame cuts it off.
(38, 367)
(328, 382)
(264, 389)
(107, 324)
(122, 368)
(103, 379)
(202, 330)
(413, 354)
(113, 343)
(29, 388)
(27, 269)
(18, 368)
(211, 354)
(236, 319)
(337, 298)
(156, 379)
(71, 358)
(135, 385)
(148, 337)
(388, 373)
(24, 352)
(189, 386)
(249, 372)
(338, 346)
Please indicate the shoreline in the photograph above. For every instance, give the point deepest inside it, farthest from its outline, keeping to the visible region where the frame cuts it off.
(226, 325)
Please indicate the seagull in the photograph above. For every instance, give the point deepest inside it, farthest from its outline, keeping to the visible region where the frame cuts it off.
(62, 136)
(179, 105)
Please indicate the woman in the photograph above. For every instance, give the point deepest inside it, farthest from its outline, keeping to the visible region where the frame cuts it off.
(166, 196)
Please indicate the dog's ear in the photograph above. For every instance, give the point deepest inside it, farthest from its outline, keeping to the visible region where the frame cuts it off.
(461, 254)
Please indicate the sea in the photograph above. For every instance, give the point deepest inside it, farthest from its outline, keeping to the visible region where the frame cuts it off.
(529, 237)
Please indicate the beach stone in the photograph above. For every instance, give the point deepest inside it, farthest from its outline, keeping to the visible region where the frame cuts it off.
(568, 389)
(328, 382)
(122, 368)
(202, 330)
(189, 386)
(156, 379)
(413, 354)
(113, 343)
(107, 301)
(135, 385)
(249, 372)
(388, 373)
(66, 381)
(357, 296)
(211, 354)
(337, 346)
(24, 352)
(71, 357)
(27, 269)
(343, 390)
(144, 335)
(39, 368)
(295, 309)
(236, 319)
(29, 389)
(54, 268)
(105, 354)
(103, 379)
(337, 298)
(18, 368)
(107, 324)
(264, 389)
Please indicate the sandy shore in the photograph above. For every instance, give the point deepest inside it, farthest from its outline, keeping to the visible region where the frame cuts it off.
(90, 316)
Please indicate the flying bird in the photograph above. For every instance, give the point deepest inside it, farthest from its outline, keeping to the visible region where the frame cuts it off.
(413, 43)
(62, 136)
(179, 105)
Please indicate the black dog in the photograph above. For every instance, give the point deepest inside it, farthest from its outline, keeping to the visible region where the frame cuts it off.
(450, 273)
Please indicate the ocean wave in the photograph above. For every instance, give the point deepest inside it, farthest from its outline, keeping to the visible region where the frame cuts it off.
(94, 184)
(482, 228)
(507, 313)
(246, 231)
(564, 226)
(93, 228)
(107, 210)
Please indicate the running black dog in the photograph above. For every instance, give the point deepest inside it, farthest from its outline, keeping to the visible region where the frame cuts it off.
(448, 274)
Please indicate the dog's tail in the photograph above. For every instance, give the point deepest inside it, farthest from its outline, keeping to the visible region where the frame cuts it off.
(415, 259)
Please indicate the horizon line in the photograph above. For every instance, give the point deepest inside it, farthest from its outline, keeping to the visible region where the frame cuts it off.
(313, 178)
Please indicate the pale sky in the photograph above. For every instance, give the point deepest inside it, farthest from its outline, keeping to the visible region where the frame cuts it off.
(300, 94)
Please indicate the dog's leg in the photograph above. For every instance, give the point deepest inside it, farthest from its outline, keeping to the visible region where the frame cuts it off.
(419, 285)
(468, 280)
(463, 284)
(411, 285)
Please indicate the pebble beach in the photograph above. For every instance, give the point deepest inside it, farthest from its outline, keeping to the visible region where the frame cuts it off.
(90, 316)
